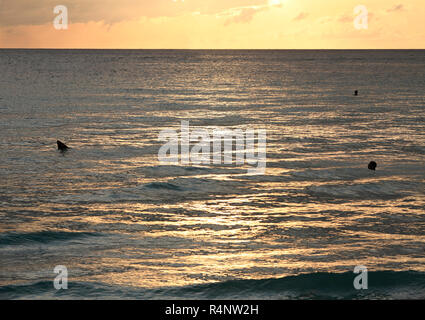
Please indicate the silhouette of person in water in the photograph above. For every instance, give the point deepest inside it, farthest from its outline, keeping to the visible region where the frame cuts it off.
(372, 165)
(356, 93)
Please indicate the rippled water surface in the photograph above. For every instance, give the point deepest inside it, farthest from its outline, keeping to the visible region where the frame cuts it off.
(126, 226)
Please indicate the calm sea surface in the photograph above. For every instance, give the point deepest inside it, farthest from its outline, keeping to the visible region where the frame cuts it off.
(126, 226)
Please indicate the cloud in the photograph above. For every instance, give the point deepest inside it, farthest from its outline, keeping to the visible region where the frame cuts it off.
(301, 16)
(31, 12)
(244, 15)
(396, 8)
(275, 3)
(345, 18)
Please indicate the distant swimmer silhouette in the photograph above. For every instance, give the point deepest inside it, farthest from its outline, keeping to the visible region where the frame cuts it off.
(356, 93)
(372, 165)
(62, 146)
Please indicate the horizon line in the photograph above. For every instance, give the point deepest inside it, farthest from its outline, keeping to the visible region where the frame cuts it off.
(199, 49)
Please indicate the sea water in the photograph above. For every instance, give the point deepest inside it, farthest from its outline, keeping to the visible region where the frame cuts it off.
(127, 226)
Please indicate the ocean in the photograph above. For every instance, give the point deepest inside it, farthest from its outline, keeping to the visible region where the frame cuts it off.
(126, 226)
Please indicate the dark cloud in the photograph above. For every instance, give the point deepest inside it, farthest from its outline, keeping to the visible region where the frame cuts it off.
(35, 12)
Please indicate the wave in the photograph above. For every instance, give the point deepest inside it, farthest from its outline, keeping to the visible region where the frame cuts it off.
(372, 190)
(181, 171)
(312, 286)
(163, 185)
(16, 238)
(382, 284)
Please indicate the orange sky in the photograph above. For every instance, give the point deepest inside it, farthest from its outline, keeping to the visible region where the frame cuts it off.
(215, 24)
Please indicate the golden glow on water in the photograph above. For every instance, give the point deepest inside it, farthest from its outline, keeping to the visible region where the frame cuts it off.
(199, 241)
(111, 213)
(202, 241)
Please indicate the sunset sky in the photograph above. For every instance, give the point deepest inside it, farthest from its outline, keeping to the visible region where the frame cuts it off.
(215, 24)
